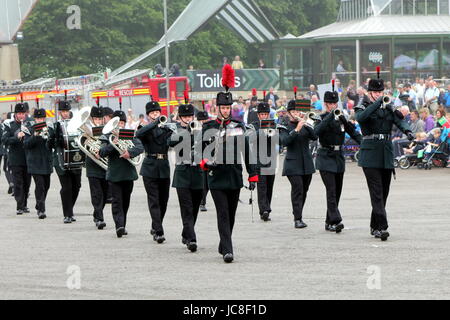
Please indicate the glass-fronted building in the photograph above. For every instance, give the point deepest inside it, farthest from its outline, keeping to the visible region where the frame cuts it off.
(407, 38)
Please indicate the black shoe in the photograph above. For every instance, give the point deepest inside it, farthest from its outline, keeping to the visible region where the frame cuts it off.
(159, 239)
(125, 232)
(381, 234)
(120, 232)
(73, 219)
(265, 216)
(299, 224)
(100, 225)
(10, 190)
(192, 246)
(338, 228)
(67, 220)
(41, 215)
(228, 258)
(203, 208)
(19, 212)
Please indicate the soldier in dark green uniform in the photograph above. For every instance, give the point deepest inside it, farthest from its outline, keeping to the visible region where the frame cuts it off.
(13, 138)
(376, 155)
(203, 117)
(96, 175)
(267, 169)
(6, 169)
(121, 174)
(70, 180)
(156, 169)
(222, 159)
(330, 156)
(188, 177)
(107, 113)
(39, 160)
(298, 164)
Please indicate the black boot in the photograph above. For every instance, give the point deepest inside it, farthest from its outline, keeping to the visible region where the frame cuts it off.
(299, 224)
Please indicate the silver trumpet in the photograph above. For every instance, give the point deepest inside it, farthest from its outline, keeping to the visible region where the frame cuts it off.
(112, 127)
(386, 101)
(86, 141)
(195, 126)
(337, 113)
(24, 128)
(164, 123)
(312, 118)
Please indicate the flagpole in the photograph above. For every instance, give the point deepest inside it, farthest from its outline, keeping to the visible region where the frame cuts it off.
(167, 59)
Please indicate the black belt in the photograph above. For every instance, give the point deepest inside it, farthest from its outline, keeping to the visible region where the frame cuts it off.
(377, 136)
(159, 156)
(333, 148)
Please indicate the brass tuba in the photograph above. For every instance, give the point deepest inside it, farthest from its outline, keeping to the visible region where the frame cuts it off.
(112, 127)
(86, 141)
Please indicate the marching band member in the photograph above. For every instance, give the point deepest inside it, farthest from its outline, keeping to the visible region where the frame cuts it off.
(298, 164)
(266, 170)
(330, 156)
(4, 151)
(70, 179)
(13, 138)
(225, 170)
(96, 175)
(376, 156)
(39, 159)
(121, 174)
(203, 117)
(188, 177)
(156, 169)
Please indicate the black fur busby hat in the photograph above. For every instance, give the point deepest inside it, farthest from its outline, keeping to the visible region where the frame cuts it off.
(64, 106)
(376, 84)
(202, 115)
(291, 105)
(20, 107)
(263, 107)
(186, 110)
(331, 96)
(96, 112)
(152, 106)
(39, 113)
(228, 82)
(107, 111)
(119, 113)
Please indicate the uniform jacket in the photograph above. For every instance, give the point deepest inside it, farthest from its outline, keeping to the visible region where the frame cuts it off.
(376, 120)
(155, 141)
(16, 151)
(330, 133)
(38, 156)
(120, 169)
(227, 176)
(298, 160)
(188, 174)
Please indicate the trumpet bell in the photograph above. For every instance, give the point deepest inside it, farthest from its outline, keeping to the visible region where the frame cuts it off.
(112, 125)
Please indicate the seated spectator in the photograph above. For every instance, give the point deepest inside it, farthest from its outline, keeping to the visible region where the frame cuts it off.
(416, 126)
(428, 119)
(417, 145)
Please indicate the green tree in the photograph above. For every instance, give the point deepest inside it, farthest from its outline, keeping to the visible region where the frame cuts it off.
(114, 32)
